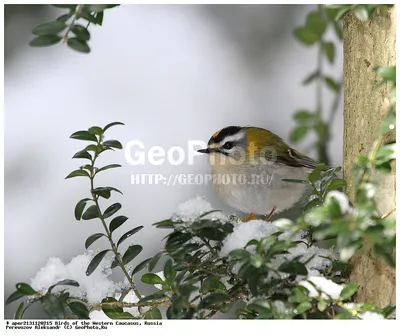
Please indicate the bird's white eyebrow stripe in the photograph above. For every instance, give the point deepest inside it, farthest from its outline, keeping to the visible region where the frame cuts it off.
(236, 137)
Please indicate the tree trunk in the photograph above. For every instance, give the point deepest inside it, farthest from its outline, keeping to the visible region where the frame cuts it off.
(368, 44)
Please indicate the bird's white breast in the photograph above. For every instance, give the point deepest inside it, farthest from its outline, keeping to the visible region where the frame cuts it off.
(259, 188)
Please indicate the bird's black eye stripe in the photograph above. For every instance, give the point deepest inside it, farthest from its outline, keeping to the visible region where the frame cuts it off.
(228, 145)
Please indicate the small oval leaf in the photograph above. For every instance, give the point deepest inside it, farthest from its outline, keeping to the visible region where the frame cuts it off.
(83, 135)
(128, 234)
(53, 306)
(112, 209)
(152, 279)
(90, 240)
(153, 262)
(90, 213)
(78, 45)
(13, 297)
(79, 207)
(45, 41)
(79, 309)
(49, 28)
(140, 266)
(113, 144)
(108, 167)
(96, 261)
(82, 155)
(117, 222)
(131, 253)
(25, 289)
(81, 33)
(79, 172)
(112, 124)
(65, 282)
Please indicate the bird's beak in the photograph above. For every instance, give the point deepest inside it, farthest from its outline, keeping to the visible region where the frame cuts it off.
(205, 151)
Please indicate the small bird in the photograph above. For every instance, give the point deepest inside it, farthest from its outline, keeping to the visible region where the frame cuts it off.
(248, 165)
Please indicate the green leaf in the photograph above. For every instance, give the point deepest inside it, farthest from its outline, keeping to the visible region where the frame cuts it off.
(104, 192)
(169, 271)
(240, 254)
(316, 24)
(329, 50)
(166, 224)
(213, 299)
(310, 78)
(79, 309)
(114, 312)
(44, 41)
(348, 291)
(78, 45)
(96, 261)
(65, 282)
(112, 124)
(294, 267)
(96, 130)
(113, 144)
(99, 18)
(153, 262)
(108, 167)
(140, 266)
(111, 210)
(91, 239)
(81, 34)
(315, 175)
(131, 253)
(361, 13)
(153, 314)
(25, 289)
(19, 311)
(209, 284)
(338, 30)
(14, 296)
(80, 206)
(64, 17)
(90, 213)
(128, 234)
(152, 279)
(388, 73)
(49, 28)
(303, 307)
(114, 263)
(53, 306)
(336, 184)
(155, 296)
(117, 222)
(82, 155)
(303, 116)
(79, 172)
(332, 84)
(298, 133)
(84, 135)
(305, 36)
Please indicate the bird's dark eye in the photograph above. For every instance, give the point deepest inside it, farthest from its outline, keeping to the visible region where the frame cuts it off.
(228, 145)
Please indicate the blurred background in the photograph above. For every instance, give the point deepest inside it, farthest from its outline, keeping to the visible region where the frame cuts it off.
(171, 73)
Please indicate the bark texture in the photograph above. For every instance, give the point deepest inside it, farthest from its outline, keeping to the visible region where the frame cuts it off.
(368, 44)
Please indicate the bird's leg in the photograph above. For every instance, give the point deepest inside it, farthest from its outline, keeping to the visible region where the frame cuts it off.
(270, 214)
(251, 217)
